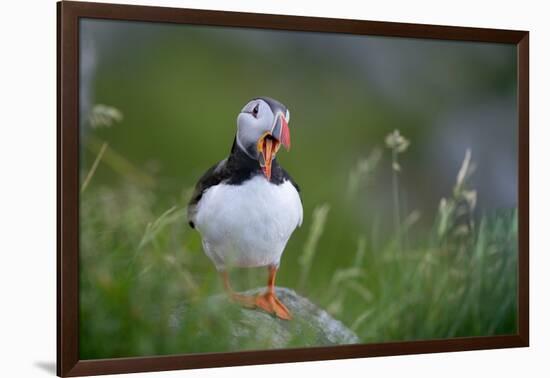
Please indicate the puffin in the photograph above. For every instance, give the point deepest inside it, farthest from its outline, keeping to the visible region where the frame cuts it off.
(247, 206)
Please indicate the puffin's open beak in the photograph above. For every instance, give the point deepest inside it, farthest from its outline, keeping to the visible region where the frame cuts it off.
(281, 132)
(270, 142)
(268, 147)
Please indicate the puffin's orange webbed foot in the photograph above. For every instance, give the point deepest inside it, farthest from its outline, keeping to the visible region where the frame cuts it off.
(271, 304)
(267, 301)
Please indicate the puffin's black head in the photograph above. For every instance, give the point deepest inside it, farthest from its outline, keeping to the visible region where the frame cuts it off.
(262, 126)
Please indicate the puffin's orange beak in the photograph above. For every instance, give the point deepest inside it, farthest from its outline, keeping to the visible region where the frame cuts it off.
(281, 131)
(270, 142)
(268, 147)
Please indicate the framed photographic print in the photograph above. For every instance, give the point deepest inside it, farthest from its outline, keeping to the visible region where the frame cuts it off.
(240, 188)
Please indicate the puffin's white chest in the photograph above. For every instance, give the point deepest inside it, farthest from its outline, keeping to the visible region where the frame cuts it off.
(248, 225)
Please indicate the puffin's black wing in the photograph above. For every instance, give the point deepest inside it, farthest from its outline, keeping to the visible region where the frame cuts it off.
(211, 177)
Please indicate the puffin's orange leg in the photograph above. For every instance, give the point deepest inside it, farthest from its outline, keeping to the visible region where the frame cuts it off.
(269, 301)
(243, 300)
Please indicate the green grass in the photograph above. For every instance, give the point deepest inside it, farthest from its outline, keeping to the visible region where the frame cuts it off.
(140, 261)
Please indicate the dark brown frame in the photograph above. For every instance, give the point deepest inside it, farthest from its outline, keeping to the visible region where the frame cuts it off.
(68, 15)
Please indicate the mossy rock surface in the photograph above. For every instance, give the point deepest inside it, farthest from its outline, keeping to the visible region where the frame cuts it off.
(235, 328)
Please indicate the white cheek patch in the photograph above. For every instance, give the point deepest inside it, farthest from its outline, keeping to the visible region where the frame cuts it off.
(248, 107)
(250, 128)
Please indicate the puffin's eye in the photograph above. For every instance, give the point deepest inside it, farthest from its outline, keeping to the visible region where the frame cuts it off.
(255, 110)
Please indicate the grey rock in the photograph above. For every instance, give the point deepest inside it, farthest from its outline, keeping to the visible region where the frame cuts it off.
(255, 329)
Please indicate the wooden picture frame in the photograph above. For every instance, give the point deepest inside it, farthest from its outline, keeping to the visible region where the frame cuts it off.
(69, 14)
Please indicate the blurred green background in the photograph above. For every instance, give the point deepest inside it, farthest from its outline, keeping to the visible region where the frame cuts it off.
(403, 239)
